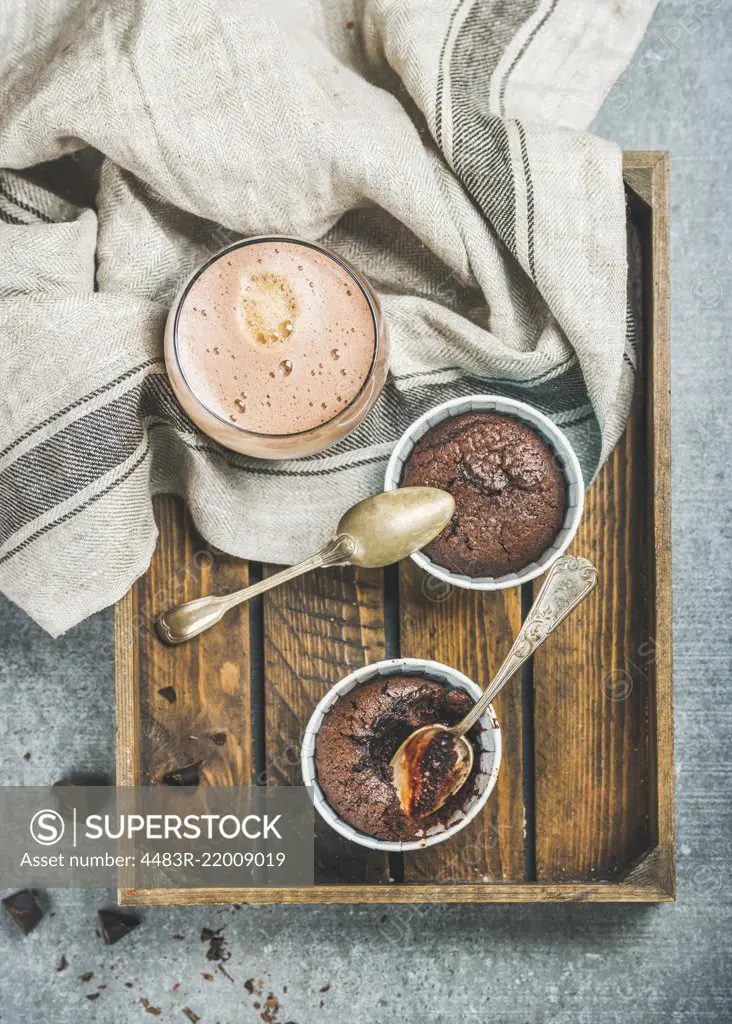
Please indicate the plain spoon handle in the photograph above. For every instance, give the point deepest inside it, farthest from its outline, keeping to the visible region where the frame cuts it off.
(187, 620)
(567, 584)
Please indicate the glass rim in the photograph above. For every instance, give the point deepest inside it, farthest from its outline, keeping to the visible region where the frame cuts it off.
(352, 273)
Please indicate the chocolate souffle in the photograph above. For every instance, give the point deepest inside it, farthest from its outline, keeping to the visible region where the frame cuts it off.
(360, 735)
(509, 492)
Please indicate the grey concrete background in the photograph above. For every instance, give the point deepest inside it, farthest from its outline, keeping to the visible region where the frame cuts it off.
(593, 964)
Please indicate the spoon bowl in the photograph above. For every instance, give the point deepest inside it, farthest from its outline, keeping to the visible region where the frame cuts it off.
(376, 532)
(430, 765)
(391, 526)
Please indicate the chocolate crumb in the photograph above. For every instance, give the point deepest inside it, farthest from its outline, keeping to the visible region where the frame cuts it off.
(219, 738)
(178, 937)
(154, 1010)
(225, 973)
(92, 996)
(192, 1017)
(190, 775)
(216, 943)
(63, 963)
(271, 1008)
(249, 986)
(206, 977)
(86, 976)
(324, 988)
(27, 755)
(128, 984)
(169, 693)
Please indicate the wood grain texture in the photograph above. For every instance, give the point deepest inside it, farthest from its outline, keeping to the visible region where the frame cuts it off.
(599, 772)
(523, 892)
(661, 737)
(318, 629)
(591, 691)
(209, 720)
(472, 632)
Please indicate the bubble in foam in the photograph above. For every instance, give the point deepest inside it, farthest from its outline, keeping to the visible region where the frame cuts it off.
(335, 353)
(285, 368)
(240, 405)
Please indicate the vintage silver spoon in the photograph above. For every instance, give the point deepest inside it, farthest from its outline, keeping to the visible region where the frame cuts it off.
(424, 772)
(374, 533)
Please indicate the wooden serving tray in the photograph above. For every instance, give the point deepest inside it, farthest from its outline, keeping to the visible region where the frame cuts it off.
(583, 807)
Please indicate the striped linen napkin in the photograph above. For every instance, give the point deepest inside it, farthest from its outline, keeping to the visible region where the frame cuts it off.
(437, 144)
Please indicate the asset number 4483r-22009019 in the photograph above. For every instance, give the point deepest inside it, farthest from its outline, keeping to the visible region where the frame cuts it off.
(215, 859)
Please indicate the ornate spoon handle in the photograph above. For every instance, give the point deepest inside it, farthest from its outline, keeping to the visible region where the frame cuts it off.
(568, 583)
(187, 620)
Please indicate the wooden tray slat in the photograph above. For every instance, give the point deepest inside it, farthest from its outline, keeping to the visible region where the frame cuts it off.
(317, 629)
(591, 689)
(210, 720)
(472, 632)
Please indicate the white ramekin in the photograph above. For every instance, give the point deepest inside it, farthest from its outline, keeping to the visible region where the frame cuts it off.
(490, 758)
(559, 445)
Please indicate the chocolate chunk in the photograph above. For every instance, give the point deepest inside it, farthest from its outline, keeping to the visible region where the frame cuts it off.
(114, 926)
(169, 693)
(23, 909)
(188, 776)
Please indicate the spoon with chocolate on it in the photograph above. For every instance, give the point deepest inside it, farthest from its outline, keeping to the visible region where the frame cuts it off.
(435, 761)
(378, 531)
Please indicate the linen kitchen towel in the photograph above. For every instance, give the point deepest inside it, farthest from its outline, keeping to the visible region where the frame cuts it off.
(437, 144)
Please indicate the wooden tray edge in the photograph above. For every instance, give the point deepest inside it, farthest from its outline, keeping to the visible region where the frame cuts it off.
(522, 892)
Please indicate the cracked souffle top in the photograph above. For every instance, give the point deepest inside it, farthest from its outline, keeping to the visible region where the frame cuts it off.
(509, 492)
(360, 735)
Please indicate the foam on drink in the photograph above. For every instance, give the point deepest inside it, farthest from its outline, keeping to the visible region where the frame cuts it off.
(275, 337)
